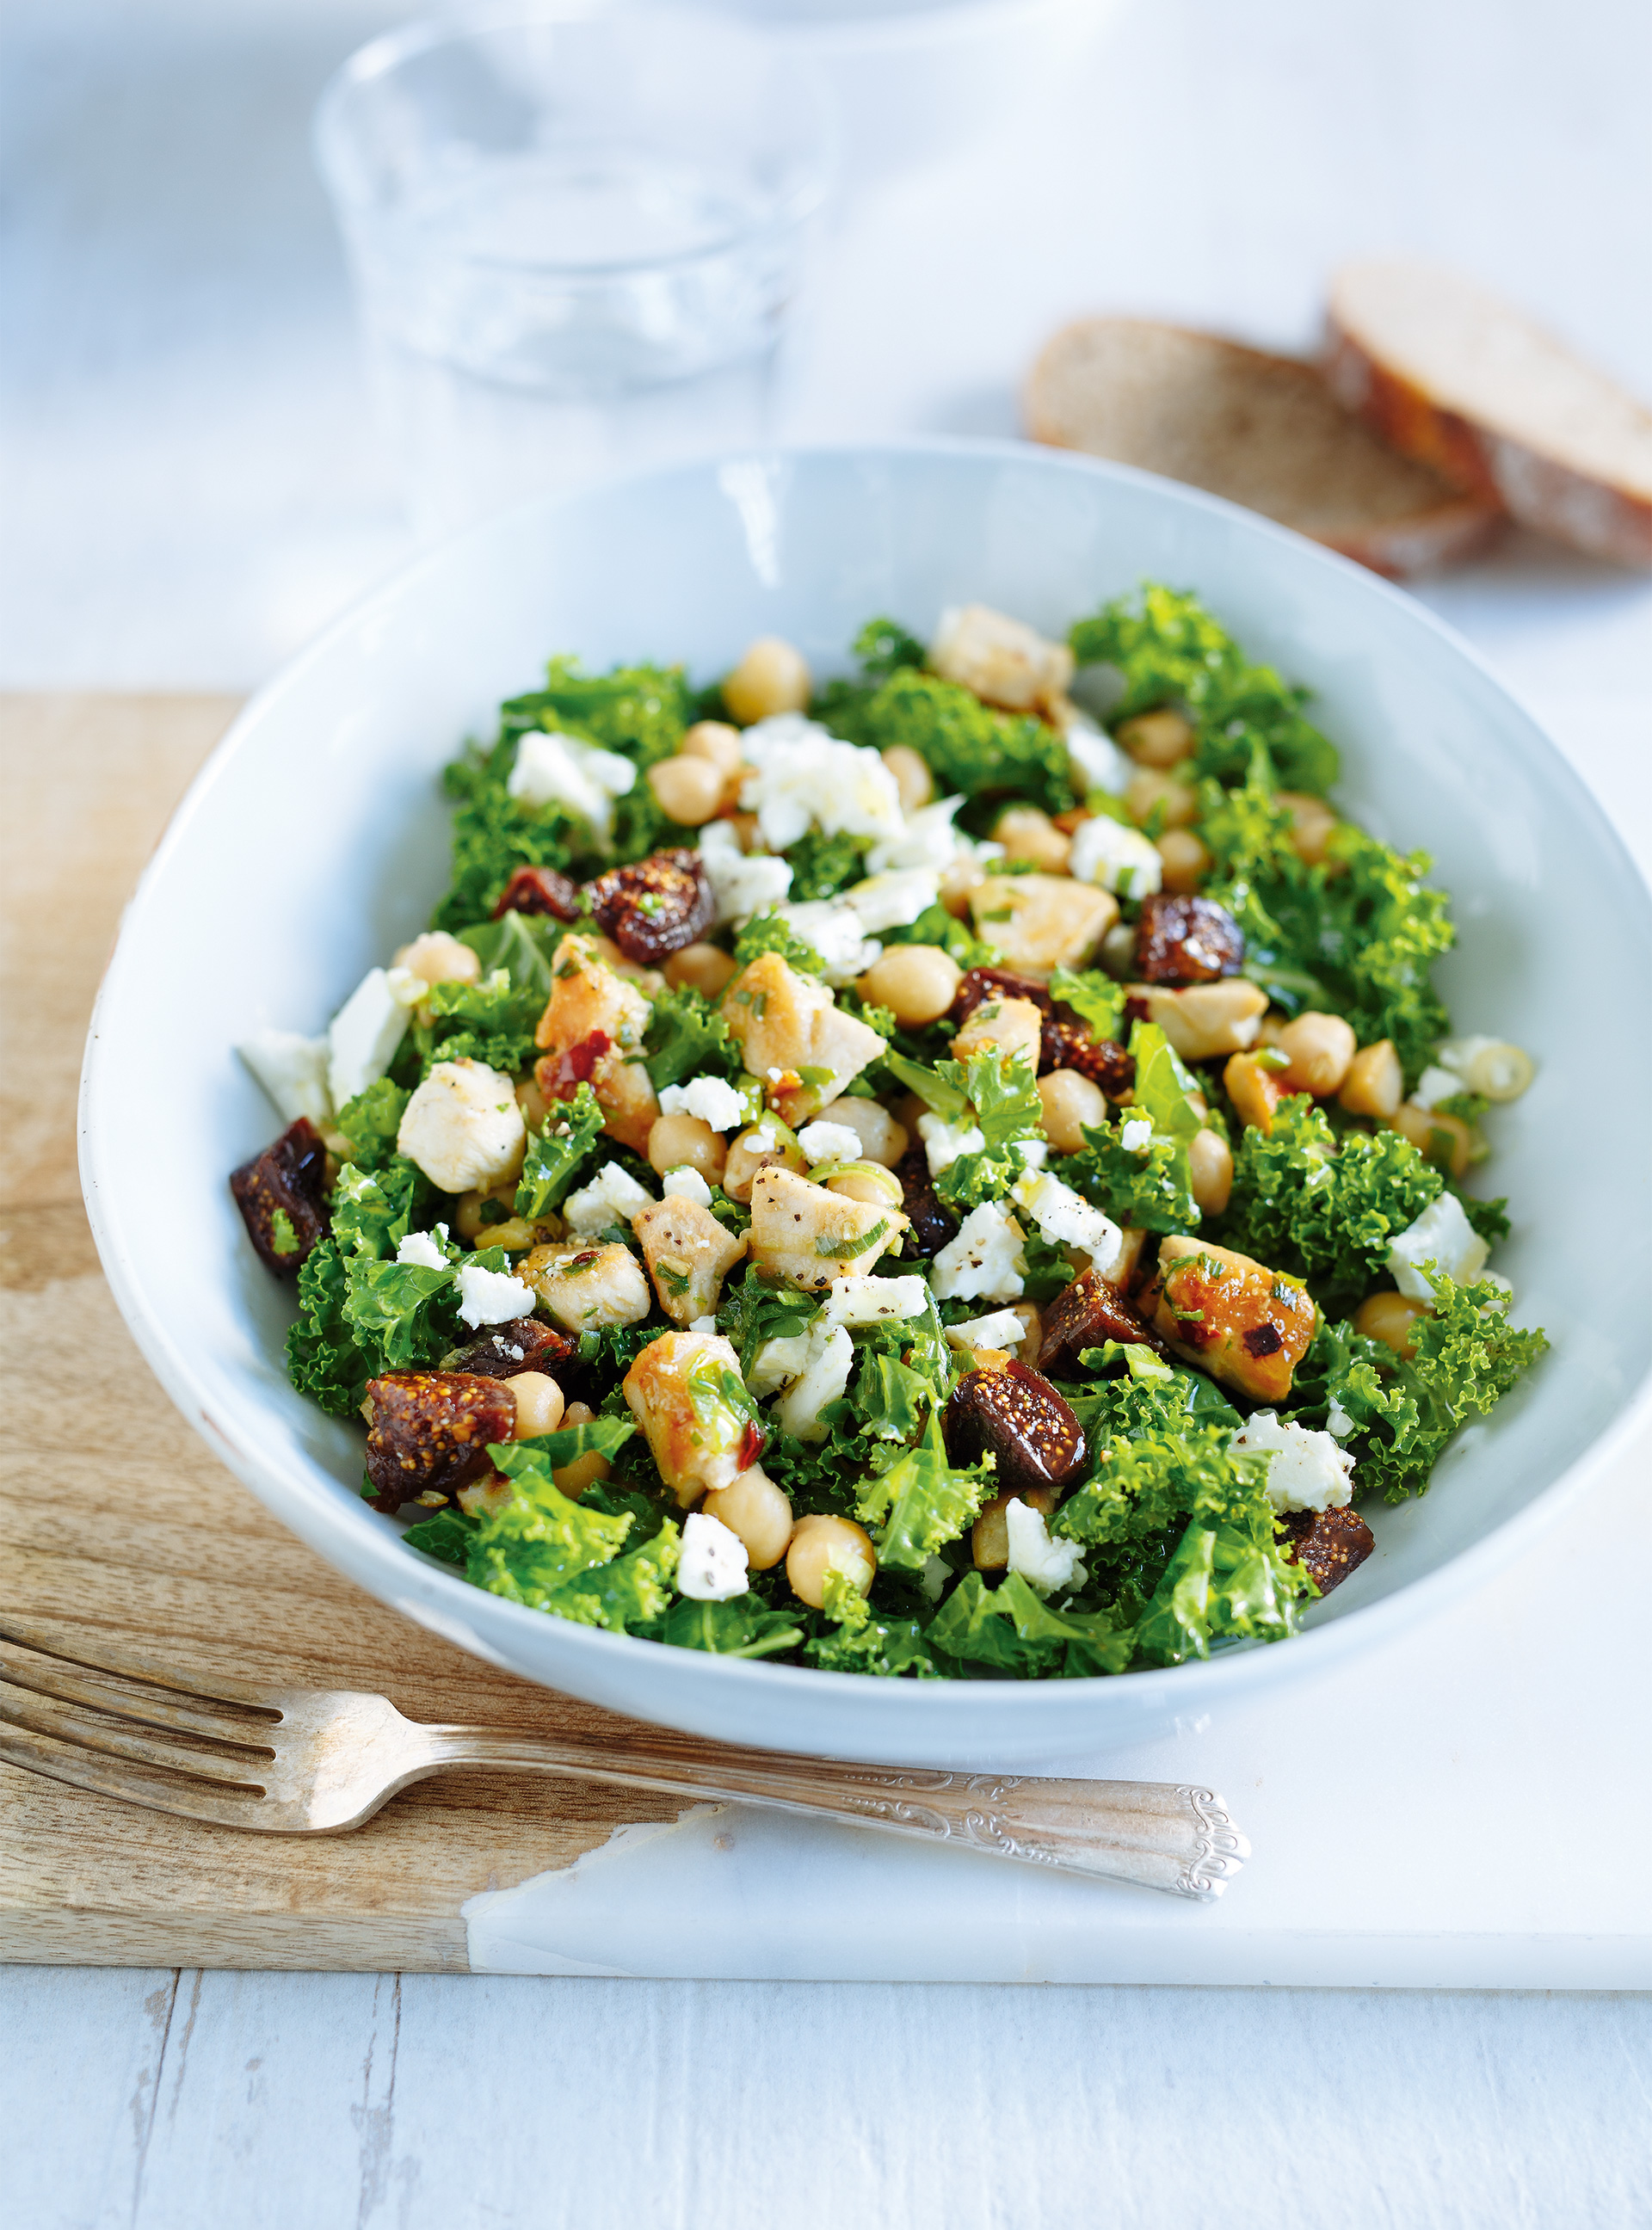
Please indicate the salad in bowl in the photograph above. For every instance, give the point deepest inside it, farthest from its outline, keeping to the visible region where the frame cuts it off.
(954, 1170)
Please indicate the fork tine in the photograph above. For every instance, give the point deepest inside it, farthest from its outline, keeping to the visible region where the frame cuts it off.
(73, 1684)
(22, 1707)
(115, 1663)
(135, 1784)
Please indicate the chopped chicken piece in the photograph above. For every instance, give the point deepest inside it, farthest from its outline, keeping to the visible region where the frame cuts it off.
(1248, 1325)
(584, 1287)
(591, 1031)
(1005, 662)
(688, 1253)
(786, 1024)
(1012, 1025)
(686, 1391)
(811, 1235)
(1042, 921)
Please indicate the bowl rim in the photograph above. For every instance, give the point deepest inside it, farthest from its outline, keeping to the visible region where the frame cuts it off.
(348, 1535)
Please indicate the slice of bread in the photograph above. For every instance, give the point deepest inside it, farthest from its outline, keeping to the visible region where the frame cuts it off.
(1261, 430)
(1456, 378)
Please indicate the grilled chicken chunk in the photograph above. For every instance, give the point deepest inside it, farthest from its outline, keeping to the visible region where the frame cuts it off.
(1246, 1324)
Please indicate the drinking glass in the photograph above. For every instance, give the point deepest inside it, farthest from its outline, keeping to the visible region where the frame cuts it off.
(574, 230)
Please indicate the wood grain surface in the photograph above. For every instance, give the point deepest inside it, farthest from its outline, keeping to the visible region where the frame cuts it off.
(116, 1524)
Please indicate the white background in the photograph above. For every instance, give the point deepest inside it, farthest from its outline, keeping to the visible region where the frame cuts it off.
(190, 487)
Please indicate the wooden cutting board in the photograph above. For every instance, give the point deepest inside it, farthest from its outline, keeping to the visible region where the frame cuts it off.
(116, 1524)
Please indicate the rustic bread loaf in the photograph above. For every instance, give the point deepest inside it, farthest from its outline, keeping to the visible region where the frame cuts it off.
(1261, 430)
(1456, 378)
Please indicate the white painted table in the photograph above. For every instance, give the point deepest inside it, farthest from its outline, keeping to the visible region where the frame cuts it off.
(191, 492)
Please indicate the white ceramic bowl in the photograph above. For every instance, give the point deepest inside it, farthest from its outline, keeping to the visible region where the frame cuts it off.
(314, 842)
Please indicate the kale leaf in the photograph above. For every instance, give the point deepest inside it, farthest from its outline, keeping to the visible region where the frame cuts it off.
(323, 1358)
(968, 747)
(921, 1501)
(370, 1121)
(687, 1037)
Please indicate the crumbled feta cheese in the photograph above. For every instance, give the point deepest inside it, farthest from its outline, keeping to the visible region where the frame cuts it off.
(834, 929)
(830, 1356)
(1119, 859)
(893, 901)
(945, 1142)
(1137, 1135)
(874, 1300)
(1306, 1470)
(704, 1324)
(1043, 1564)
(492, 1297)
(711, 1563)
(742, 886)
(1506, 1075)
(775, 1364)
(1338, 1422)
(926, 838)
(408, 988)
(685, 1183)
(1003, 1329)
(709, 1097)
(363, 1036)
(293, 1070)
(557, 769)
(764, 1140)
(1434, 1084)
(984, 1261)
(612, 1196)
(463, 1126)
(1097, 760)
(419, 1248)
(830, 1142)
(1067, 1219)
(803, 777)
(1443, 1235)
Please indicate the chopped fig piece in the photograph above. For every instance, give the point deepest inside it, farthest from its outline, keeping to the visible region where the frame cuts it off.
(979, 983)
(279, 1194)
(1327, 1544)
(1185, 939)
(429, 1431)
(1070, 1045)
(933, 1226)
(655, 907)
(506, 1349)
(1248, 1325)
(1084, 1314)
(540, 890)
(1015, 1415)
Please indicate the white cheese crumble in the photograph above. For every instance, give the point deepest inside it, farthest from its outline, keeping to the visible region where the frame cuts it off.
(945, 1142)
(686, 1183)
(612, 1196)
(1136, 1137)
(1001, 1330)
(488, 1297)
(1043, 1564)
(828, 1358)
(1067, 1219)
(830, 1142)
(704, 1324)
(834, 930)
(893, 901)
(1338, 1422)
(874, 1300)
(926, 838)
(741, 885)
(711, 1563)
(1119, 859)
(552, 769)
(1097, 759)
(1306, 1470)
(1434, 1084)
(363, 1036)
(292, 1069)
(804, 777)
(463, 1126)
(713, 1101)
(1443, 1235)
(984, 1261)
(421, 1249)
(775, 1364)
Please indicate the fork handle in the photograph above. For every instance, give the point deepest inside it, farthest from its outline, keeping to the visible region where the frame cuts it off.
(1158, 1834)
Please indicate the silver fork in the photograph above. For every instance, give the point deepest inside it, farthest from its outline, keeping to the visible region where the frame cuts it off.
(309, 1761)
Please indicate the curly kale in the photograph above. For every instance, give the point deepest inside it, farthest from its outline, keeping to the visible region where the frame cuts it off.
(968, 747)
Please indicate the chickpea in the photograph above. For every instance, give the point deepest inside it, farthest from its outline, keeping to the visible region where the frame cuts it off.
(1390, 1318)
(1254, 1091)
(680, 1141)
(882, 1139)
(572, 1478)
(917, 982)
(821, 1545)
(1151, 789)
(912, 778)
(756, 1510)
(533, 1102)
(1311, 823)
(539, 1403)
(745, 1159)
(1446, 1139)
(1156, 739)
(438, 958)
(1321, 1049)
(1069, 1102)
(958, 880)
(1374, 1081)
(689, 789)
(700, 968)
(716, 741)
(771, 677)
(1187, 861)
(1027, 1311)
(1027, 833)
(1209, 1163)
(990, 1535)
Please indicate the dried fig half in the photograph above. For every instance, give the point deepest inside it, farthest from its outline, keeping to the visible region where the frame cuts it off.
(1086, 1313)
(505, 1349)
(1327, 1544)
(979, 983)
(429, 1431)
(539, 890)
(654, 908)
(931, 1225)
(1182, 938)
(1015, 1415)
(1070, 1045)
(280, 1194)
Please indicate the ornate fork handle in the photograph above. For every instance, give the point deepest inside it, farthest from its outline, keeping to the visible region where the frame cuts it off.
(1155, 1834)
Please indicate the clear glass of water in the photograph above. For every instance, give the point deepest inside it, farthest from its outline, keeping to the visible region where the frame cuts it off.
(574, 229)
